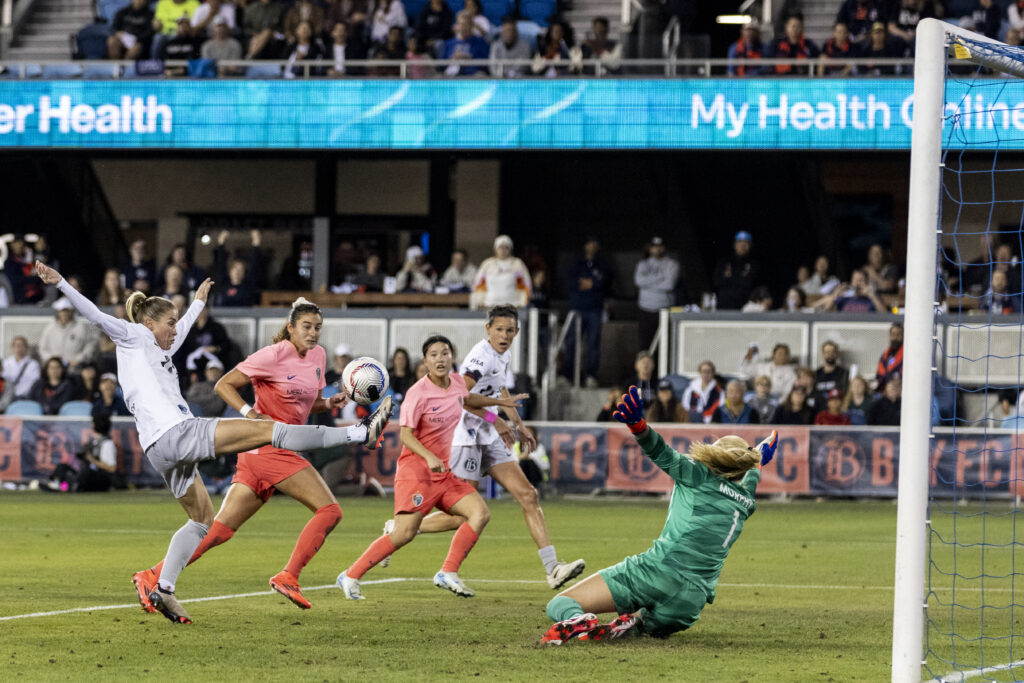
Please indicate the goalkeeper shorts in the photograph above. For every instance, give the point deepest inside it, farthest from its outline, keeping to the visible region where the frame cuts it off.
(669, 603)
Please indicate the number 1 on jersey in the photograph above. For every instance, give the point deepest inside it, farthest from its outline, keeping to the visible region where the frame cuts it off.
(735, 521)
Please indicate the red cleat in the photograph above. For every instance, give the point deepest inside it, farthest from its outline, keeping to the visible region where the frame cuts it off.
(618, 627)
(568, 629)
(145, 583)
(288, 586)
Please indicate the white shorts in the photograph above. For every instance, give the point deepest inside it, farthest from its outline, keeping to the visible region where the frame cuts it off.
(176, 454)
(473, 462)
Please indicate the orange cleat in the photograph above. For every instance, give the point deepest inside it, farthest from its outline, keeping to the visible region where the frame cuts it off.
(145, 583)
(569, 629)
(620, 626)
(288, 586)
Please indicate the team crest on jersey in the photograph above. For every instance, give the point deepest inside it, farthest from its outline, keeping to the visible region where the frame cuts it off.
(318, 374)
(417, 499)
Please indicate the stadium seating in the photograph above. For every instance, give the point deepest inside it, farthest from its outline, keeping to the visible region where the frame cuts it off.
(24, 409)
(495, 10)
(75, 409)
(537, 11)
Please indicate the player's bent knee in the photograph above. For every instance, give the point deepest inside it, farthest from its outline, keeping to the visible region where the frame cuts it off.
(400, 537)
(332, 514)
(527, 496)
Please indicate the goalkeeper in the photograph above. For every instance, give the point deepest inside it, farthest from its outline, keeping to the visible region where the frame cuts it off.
(664, 589)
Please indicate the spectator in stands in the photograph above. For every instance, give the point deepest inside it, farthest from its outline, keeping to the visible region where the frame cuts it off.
(139, 274)
(465, 45)
(643, 377)
(762, 400)
(822, 281)
(509, 46)
(6, 291)
(857, 297)
(207, 12)
(551, 46)
(880, 46)
(589, 284)
(346, 257)
(173, 282)
(304, 11)
(434, 25)
(370, 277)
(238, 277)
(297, 269)
(19, 269)
(392, 49)
(655, 278)
(87, 383)
(857, 401)
(833, 413)
(838, 47)
(167, 22)
(760, 301)
(986, 18)
(903, 21)
(891, 362)
(704, 395)
(109, 403)
(192, 274)
(501, 279)
(736, 274)
(481, 24)
(998, 300)
(351, 12)
(386, 15)
(460, 273)
(416, 274)
(796, 301)
(221, 46)
(794, 410)
(206, 335)
(20, 371)
(749, 46)
(111, 293)
(1007, 262)
(1015, 18)
(263, 27)
(202, 395)
(885, 411)
(803, 274)
(779, 369)
(805, 378)
(306, 46)
(611, 402)
(182, 44)
(666, 407)
(342, 357)
(131, 31)
(859, 16)
(68, 338)
(793, 45)
(1004, 408)
(400, 374)
(54, 388)
(600, 46)
(830, 375)
(733, 410)
(343, 48)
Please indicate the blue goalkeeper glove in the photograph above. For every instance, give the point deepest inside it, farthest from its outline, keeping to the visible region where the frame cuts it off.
(767, 447)
(630, 411)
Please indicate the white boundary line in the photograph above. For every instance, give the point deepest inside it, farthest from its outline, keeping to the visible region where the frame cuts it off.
(960, 676)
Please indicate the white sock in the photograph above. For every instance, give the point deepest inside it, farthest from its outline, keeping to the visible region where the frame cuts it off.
(313, 437)
(548, 557)
(179, 552)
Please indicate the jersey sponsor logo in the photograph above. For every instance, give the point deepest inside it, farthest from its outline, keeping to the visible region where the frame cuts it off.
(318, 374)
(735, 495)
(471, 465)
(417, 499)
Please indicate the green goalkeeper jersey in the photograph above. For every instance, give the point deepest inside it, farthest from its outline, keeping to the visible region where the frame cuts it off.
(705, 515)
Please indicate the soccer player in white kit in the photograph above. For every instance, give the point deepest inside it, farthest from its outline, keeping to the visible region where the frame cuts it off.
(175, 441)
(483, 445)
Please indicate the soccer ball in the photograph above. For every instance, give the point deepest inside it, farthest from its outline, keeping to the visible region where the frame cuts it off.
(366, 380)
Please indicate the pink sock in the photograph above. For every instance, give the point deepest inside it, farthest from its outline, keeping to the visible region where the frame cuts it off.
(464, 540)
(377, 551)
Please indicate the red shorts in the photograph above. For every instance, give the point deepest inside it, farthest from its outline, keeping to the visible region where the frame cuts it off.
(412, 495)
(265, 468)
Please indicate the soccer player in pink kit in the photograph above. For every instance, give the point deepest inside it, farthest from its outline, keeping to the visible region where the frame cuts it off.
(430, 412)
(288, 377)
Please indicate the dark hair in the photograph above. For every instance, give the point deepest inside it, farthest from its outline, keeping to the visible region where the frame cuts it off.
(503, 311)
(408, 361)
(179, 245)
(1008, 394)
(101, 424)
(300, 307)
(509, 19)
(139, 306)
(601, 20)
(60, 362)
(460, 251)
(437, 338)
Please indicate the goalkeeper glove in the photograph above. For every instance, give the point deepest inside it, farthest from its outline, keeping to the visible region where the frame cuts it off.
(630, 411)
(767, 447)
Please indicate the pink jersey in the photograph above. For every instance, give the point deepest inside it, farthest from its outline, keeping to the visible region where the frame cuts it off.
(432, 413)
(286, 384)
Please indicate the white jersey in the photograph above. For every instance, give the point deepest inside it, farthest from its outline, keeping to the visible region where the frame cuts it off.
(144, 370)
(492, 373)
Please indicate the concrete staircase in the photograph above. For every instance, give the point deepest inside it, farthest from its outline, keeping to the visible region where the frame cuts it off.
(44, 36)
(819, 15)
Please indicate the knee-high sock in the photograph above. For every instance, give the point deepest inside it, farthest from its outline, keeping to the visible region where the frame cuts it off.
(463, 541)
(183, 544)
(562, 607)
(377, 551)
(313, 437)
(312, 537)
(218, 533)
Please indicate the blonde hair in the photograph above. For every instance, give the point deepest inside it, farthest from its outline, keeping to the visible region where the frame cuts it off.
(730, 457)
(300, 307)
(138, 306)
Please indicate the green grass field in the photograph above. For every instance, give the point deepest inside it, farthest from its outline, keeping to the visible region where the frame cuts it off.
(805, 596)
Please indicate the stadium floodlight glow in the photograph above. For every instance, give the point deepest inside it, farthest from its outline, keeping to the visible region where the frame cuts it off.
(741, 19)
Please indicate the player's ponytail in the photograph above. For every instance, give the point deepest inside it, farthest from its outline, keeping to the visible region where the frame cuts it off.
(730, 457)
(138, 306)
(300, 307)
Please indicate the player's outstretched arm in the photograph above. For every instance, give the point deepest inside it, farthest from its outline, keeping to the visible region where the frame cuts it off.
(114, 328)
(187, 320)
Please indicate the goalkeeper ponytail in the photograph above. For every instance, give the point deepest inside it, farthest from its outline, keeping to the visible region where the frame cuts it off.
(730, 457)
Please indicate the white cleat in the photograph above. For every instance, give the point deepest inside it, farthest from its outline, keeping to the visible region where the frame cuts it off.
(452, 582)
(389, 527)
(349, 586)
(376, 422)
(563, 573)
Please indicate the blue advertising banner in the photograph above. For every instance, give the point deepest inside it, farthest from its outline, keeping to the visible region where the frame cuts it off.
(737, 113)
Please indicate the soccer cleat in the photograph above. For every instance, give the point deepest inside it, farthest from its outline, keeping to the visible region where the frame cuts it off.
(288, 586)
(145, 583)
(619, 626)
(568, 629)
(349, 586)
(563, 573)
(452, 582)
(167, 604)
(389, 527)
(376, 422)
